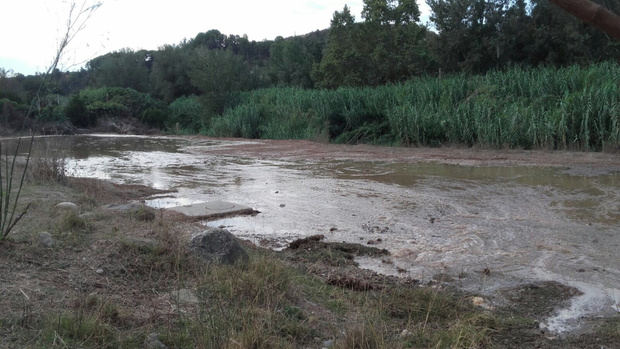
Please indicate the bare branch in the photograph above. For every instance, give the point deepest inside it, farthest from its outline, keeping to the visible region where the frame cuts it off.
(593, 13)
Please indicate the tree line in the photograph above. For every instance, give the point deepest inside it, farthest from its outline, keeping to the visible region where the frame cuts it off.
(182, 86)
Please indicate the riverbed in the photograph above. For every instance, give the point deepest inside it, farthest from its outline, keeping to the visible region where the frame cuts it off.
(486, 219)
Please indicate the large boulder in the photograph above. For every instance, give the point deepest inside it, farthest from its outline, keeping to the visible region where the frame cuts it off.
(218, 246)
(68, 206)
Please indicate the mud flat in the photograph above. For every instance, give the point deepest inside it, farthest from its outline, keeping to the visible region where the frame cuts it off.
(485, 221)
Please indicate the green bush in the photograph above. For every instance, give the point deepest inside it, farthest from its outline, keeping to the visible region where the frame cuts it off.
(154, 117)
(185, 114)
(90, 104)
(76, 112)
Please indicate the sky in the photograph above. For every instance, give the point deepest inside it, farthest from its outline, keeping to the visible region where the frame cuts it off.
(31, 29)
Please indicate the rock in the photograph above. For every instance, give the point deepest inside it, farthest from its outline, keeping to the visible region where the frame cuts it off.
(124, 207)
(99, 271)
(328, 343)
(137, 210)
(87, 215)
(404, 333)
(184, 296)
(213, 209)
(46, 239)
(374, 242)
(480, 302)
(282, 205)
(69, 206)
(219, 246)
(152, 342)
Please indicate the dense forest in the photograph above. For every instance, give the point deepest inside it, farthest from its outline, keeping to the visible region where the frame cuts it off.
(498, 73)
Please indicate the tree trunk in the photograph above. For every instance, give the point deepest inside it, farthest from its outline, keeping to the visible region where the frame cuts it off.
(593, 13)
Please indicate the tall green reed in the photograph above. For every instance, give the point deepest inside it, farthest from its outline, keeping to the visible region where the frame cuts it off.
(553, 108)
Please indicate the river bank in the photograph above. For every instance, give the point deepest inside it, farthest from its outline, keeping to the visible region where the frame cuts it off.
(390, 199)
(112, 279)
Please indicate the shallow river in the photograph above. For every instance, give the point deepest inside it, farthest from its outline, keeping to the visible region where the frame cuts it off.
(522, 223)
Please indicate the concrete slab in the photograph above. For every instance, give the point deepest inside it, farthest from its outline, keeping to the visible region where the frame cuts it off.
(213, 209)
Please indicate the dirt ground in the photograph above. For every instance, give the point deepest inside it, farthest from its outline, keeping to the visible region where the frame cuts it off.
(587, 163)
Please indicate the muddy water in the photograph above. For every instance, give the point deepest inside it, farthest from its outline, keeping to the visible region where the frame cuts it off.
(520, 223)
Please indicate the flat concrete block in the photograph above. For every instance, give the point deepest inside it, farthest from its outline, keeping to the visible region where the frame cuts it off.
(213, 209)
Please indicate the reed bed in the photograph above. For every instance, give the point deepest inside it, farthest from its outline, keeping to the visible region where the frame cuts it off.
(574, 108)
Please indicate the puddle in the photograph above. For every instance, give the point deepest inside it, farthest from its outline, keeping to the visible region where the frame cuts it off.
(521, 223)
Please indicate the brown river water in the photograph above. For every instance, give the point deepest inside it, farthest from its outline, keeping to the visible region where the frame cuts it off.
(524, 216)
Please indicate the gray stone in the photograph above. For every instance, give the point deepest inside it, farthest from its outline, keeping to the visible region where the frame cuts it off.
(219, 246)
(137, 210)
(152, 342)
(213, 209)
(46, 239)
(184, 296)
(124, 207)
(328, 343)
(87, 215)
(69, 206)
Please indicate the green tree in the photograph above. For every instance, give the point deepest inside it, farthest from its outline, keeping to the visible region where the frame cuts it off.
(220, 75)
(391, 11)
(124, 68)
(291, 62)
(387, 47)
(170, 73)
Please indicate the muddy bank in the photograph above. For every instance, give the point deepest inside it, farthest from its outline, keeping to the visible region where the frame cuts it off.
(114, 276)
(579, 163)
(525, 216)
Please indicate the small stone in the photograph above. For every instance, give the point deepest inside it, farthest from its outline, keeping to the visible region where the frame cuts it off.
(184, 296)
(87, 215)
(152, 342)
(99, 271)
(480, 302)
(69, 206)
(405, 333)
(477, 301)
(333, 229)
(328, 343)
(282, 205)
(46, 239)
(134, 205)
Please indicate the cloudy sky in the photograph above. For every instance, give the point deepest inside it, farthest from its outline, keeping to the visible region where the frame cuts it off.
(31, 29)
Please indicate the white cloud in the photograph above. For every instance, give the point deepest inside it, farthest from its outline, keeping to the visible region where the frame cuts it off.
(31, 28)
